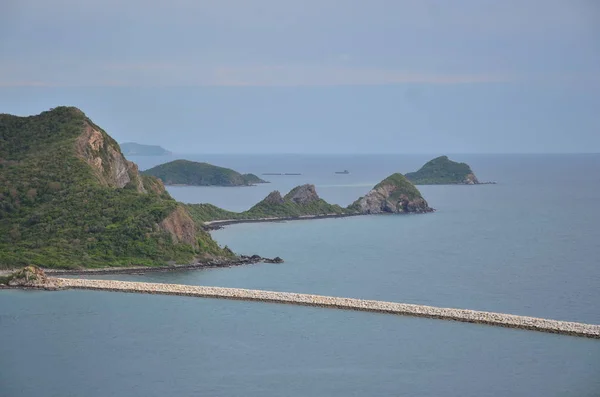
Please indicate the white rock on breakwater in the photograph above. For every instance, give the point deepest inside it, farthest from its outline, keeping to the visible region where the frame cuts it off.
(464, 315)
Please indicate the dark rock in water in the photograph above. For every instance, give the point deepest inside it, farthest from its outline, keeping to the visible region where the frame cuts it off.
(395, 194)
(274, 260)
(245, 259)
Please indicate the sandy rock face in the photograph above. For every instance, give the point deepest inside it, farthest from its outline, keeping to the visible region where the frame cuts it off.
(108, 163)
(181, 227)
(471, 179)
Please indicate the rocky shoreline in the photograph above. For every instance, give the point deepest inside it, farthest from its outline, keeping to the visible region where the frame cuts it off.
(214, 263)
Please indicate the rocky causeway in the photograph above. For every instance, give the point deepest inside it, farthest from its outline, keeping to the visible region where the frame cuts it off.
(463, 315)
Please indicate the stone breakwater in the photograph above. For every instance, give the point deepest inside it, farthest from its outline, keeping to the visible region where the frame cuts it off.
(464, 315)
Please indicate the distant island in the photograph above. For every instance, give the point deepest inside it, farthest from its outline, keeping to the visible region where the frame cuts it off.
(443, 171)
(70, 199)
(395, 194)
(137, 149)
(191, 173)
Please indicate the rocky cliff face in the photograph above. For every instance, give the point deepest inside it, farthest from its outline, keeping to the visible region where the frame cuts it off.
(471, 179)
(181, 227)
(273, 198)
(303, 194)
(394, 194)
(103, 155)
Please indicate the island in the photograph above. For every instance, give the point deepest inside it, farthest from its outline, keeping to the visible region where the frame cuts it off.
(137, 149)
(192, 173)
(443, 171)
(393, 195)
(70, 199)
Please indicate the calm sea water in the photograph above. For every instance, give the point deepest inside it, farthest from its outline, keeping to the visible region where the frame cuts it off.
(527, 245)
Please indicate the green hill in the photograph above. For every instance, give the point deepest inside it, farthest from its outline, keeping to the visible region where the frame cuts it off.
(185, 172)
(137, 149)
(443, 171)
(69, 198)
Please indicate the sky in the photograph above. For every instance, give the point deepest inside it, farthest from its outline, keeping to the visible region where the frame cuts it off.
(313, 76)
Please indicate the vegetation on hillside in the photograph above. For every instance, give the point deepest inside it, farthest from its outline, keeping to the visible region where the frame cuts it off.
(393, 194)
(442, 171)
(273, 206)
(185, 172)
(403, 187)
(55, 211)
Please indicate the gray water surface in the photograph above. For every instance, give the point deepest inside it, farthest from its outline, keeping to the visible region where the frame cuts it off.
(528, 245)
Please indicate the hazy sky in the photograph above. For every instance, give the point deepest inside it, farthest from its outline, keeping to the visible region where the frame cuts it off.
(322, 76)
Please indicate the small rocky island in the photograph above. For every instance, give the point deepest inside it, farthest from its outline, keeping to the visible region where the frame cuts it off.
(137, 149)
(192, 173)
(443, 171)
(395, 194)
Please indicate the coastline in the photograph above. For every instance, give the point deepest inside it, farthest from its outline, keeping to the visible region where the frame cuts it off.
(214, 263)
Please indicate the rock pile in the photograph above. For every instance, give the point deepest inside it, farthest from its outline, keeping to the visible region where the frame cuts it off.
(29, 277)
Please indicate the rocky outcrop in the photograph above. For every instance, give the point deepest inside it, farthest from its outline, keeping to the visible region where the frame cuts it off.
(303, 194)
(102, 153)
(28, 277)
(181, 227)
(273, 198)
(471, 179)
(395, 194)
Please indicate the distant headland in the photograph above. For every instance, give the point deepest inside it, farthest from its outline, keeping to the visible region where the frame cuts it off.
(137, 149)
(192, 173)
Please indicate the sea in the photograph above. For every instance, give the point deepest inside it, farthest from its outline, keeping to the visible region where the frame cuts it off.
(527, 245)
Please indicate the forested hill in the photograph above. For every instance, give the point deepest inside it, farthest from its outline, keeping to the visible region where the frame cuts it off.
(443, 171)
(69, 198)
(185, 172)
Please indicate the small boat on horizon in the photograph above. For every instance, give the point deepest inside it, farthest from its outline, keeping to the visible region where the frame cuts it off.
(342, 172)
